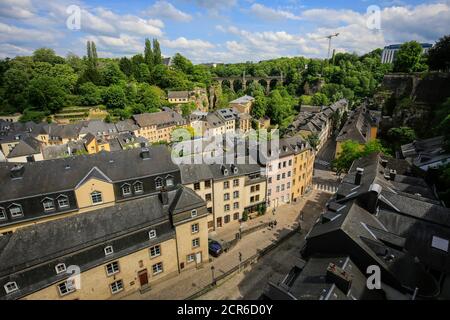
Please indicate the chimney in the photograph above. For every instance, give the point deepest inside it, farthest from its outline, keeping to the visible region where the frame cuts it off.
(17, 171)
(372, 198)
(392, 174)
(164, 196)
(145, 153)
(339, 277)
(358, 176)
(384, 163)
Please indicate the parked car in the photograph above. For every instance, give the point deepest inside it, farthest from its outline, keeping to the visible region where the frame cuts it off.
(215, 248)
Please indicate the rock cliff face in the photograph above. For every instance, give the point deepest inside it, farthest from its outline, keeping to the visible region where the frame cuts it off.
(410, 99)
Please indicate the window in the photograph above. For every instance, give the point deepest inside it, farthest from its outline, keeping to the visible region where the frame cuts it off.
(208, 184)
(284, 175)
(236, 194)
(15, 210)
(158, 183)
(96, 197)
(2, 214)
(236, 205)
(193, 213)
(109, 250)
(278, 177)
(138, 187)
(208, 197)
(60, 268)
(152, 234)
(226, 196)
(236, 216)
(116, 286)
(289, 174)
(236, 183)
(227, 218)
(270, 180)
(11, 287)
(196, 241)
(210, 209)
(157, 268)
(278, 188)
(290, 162)
(269, 192)
(226, 207)
(288, 185)
(112, 268)
(195, 228)
(126, 189)
(197, 186)
(226, 184)
(66, 287)
(190, 258)
(155, 251)
(169, 181)
(48, 204)
(282, 187)
(63, 201)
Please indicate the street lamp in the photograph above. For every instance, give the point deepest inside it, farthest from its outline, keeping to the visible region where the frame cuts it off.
(212, 273)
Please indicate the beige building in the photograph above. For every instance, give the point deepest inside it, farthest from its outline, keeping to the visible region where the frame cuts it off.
(158, 126)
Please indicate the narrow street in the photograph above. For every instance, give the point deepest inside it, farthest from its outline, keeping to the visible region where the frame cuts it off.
(191, 281)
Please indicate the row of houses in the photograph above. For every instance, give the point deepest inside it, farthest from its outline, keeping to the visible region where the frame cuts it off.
(383, 223)
(125, 219)
(317, 121)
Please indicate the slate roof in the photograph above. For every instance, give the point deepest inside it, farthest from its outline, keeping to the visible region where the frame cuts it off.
(27, 146)
(424, 152)
(388, 223)
(357, 127)
(178, 95)
(191, 173)
(214, 121)
(161, 118)
(46, 241)
(64, 174)
(126, 125)
(98, 127)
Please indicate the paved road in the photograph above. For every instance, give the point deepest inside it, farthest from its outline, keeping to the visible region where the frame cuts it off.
(249, 284)
(191, 281)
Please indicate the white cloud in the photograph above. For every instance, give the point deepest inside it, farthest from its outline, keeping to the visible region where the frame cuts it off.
(185, 44)
(272, 14)
(166, 10)
(10, 50)
(17, 9)
(11, 34)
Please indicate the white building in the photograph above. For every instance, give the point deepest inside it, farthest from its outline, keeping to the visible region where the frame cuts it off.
(390, 52)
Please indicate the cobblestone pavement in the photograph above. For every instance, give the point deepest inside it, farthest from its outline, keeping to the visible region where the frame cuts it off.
(191, 281)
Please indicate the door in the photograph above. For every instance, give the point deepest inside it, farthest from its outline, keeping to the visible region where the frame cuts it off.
(143, 277)
(219, 222)
(198, 257)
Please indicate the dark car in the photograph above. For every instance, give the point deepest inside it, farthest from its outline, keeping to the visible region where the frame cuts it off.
(215, 248)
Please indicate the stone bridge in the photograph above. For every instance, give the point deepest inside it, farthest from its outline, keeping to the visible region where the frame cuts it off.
(246, 80)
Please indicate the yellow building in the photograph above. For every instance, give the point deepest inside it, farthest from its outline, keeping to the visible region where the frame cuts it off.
(114, 251)
(95, 145)
(158, 126)
(243, 104)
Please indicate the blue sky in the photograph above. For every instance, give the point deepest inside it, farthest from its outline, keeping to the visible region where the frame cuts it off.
(219, 30)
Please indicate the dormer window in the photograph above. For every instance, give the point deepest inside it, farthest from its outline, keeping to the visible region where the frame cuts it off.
(152, 234)
(48, 204)
(60, 268)
(109, 250)
(15, 210)
(138, 187)
(63, 201)
(2, 213)
(126, 189)
(193, 213)
(159, 183)
(96, 197)
(169, 181)
(10, 287)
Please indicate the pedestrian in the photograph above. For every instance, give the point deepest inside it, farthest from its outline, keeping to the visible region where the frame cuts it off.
(275, 223)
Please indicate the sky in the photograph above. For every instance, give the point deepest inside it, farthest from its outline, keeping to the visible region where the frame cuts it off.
(217, 31)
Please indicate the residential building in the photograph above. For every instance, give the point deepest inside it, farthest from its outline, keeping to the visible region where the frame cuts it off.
(230, 118)
(214, 126)
(233, 189)
(382, 215)
(361, 127)
(41, 191)
(243, 104)
(389, 53)
(116, 250)
(178, 97)
(158, 126)
(11, 118)
(95, 144)
(427, 153)
(21, 148)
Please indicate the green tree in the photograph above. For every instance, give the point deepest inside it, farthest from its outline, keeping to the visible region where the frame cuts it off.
(114, 97)
(400, 136)
(47, 55)
(157, 57)
(259, 109)
(91, 95)
(410, 58)
(320, 99)
(111, 74)
(352, 150)
(148, 54)
(439, 55)
(47, 94)
(313, 140)
(126, 66)
(182, 64)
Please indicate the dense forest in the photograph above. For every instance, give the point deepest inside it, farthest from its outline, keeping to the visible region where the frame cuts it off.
(44, 83)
